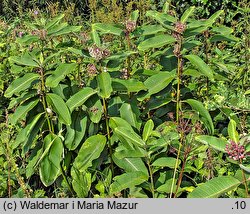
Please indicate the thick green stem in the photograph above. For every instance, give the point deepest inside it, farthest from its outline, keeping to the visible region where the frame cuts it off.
(180, 176)
(108, 133)
(66, 180)
(245, 181)
(176, 166)
(178, 100)
(151, 178)
(43, 91)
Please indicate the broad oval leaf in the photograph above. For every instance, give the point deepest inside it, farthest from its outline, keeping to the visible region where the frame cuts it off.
(215, 187)
(26, 59)
(232, 133)
(60, 107)
(50, 165)
(76, 131)
(131, 85)
(127, 180)
(23, 109)
(147, 130)
(59, 74)
(22, 98)
(79, 98)
(130, 164)
(81, 182)
(130, 136)
(187, 14)
(166, 162)
(245, 168)
(149, 30)
(21, 84)
(205, 116)
(89, 151)
(128, 113)
(156, 42)
(24, 134)
(201, 65)
(156, 83)
(108, 28)
(115, 122)
(217, 143)
(104, 85)
(95, 109)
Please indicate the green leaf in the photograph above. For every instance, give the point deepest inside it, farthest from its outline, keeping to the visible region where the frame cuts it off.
(95, 109)
(156, 83)
(130, 164)
(81, 182)
(95, 37)
(215, 187)
(232, 133)
(24, 134)
(127, 180)
(167, 187)
(59, 74)
(148, 128)
(65, 30)
(187, 13)
(23, 109)
(131, 117)
(50, 165)
(27, 40)
(146, 30)
(115, 122)
(21, 84)
(76, 131)
(163, 18)
(134, 15)
(222, 30)
(106, 28)
(247, 169)
(131, 85)
(130, 136)
(22, 98)
(201, 65)
(26, 59)
(156, 42)
(79, 98)
(205, 116)
(54, 22)
(104, 85)
(219, 38)
(90, 150)
(60, 107)
(215, 16)
(166, 162)
(217, 143)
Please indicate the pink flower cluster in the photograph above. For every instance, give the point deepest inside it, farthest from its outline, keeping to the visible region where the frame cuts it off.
(235, 150)
(98, 53)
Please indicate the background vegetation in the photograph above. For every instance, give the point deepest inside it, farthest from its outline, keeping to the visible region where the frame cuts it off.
(124, 98)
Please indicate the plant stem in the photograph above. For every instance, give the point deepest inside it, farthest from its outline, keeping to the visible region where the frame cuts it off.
(151, 178)
(180, 176)
(66, 180)
(178, 103)
(244, 181)
(51, 128)
(108, 133)
(175, 168)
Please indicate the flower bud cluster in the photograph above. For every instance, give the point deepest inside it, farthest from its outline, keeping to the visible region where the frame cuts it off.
(130, 26)
(98, 53)
(180, 27)
(91, 70)
(235, 151)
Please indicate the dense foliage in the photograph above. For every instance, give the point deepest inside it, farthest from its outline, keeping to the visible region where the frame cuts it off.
(153, 105)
